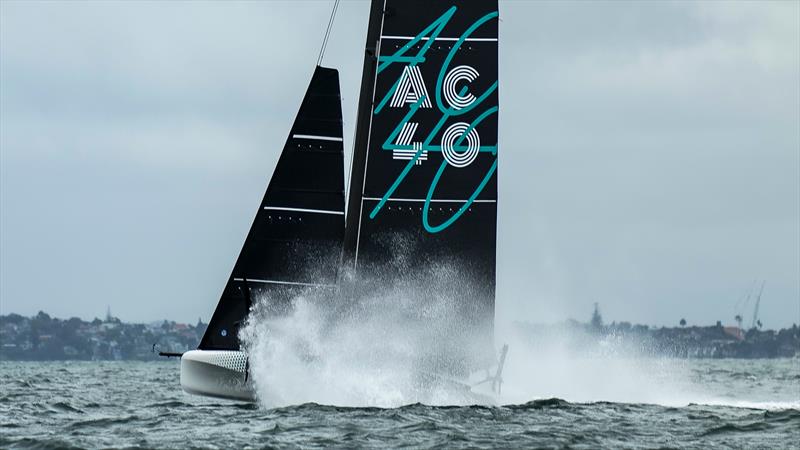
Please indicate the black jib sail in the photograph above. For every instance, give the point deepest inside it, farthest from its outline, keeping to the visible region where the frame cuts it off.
(296, 237)
(422, 204)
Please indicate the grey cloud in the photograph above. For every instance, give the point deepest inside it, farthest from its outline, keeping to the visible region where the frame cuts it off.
(650, 152)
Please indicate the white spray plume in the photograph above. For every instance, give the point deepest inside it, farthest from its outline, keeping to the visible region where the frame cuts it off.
(378, 346)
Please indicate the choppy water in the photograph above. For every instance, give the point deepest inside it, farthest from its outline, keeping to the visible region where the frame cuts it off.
(755, 404)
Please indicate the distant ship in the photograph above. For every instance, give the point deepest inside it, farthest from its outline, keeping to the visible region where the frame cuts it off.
(422, 191)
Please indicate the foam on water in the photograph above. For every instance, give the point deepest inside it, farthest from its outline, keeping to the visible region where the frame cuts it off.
(628, 375)
(373, 355)
(769, 406)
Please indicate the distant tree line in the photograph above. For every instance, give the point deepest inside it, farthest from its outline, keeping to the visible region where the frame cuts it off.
(42, 337)
(715, 341)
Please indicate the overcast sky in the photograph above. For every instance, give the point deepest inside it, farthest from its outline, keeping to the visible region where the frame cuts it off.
(649, 161)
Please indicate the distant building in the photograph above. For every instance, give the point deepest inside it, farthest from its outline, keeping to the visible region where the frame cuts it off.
(734, 332)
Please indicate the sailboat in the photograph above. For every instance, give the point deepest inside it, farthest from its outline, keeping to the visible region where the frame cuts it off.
(422, 193)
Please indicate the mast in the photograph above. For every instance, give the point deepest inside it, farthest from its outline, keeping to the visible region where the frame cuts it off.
(363, 114)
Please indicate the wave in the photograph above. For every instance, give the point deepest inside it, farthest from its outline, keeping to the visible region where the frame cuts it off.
(170, 404)
(38, 444)
(66, 407)
(747, 404)
(105, 422)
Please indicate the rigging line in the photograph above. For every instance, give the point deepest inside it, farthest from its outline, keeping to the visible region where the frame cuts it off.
(327, 32)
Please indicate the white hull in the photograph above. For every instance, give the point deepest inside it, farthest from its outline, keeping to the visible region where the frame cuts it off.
(216, 373)
(224, 374)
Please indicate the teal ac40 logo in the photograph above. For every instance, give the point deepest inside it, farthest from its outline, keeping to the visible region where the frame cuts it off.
(409, 88)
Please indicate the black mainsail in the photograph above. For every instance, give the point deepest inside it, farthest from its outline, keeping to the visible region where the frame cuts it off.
(296, 237)
(423, 184)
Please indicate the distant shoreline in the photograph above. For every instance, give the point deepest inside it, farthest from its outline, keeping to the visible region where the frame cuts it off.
(44, 338)
(625, 339)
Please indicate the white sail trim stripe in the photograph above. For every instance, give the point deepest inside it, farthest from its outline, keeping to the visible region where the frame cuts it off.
(409, 158)
(410, 154)
(410, 89)
(293, 283)
(419, 86)
(422, 200)
(424, 153)
(315, 211)
(407, 133)
(408, 38)
(317, 138)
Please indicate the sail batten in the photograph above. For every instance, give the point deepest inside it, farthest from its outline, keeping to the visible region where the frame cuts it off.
(433, 200)
(317, 138)
(312, 211)
(440, 38)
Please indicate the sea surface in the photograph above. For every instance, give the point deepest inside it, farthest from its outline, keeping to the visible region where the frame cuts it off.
(748, 404)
